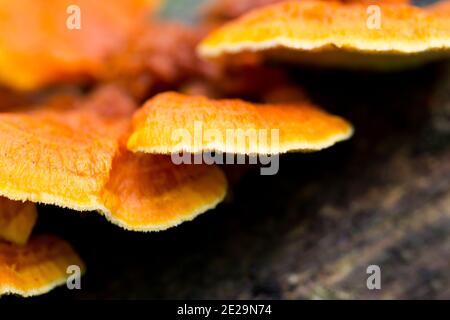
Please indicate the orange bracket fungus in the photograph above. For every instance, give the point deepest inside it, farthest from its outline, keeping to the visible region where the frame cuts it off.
(37, 267)
(328, 33)
(172, 123)
(150, 193)
(74, 158)
(46, 41)
(17, 220)
(65, 155)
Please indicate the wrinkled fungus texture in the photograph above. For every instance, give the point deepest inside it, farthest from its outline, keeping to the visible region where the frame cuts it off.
(74, 157)
(335, 34)
(37, 267)
(150, 193)
(301, 126)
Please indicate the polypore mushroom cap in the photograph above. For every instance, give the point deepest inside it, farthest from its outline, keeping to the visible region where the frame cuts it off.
(328, 33)
(151, 193)
(75, 158)
(301, 126)
(65, 155)
(37, 267)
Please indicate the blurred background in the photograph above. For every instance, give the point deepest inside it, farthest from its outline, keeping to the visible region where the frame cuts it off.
(187, 10)
(311, 231)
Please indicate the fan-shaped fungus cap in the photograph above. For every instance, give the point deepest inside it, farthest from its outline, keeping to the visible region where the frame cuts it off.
(172, 123)
(65, 155)
(75, 158)
(37, 267)
(335, 34)
(45, 41)
(151, 193)
(17, 220)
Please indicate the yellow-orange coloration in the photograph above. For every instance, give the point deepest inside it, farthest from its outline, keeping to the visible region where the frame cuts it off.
(74, 158)
(201, 124)
(336, 34)
(37, 267)
(150, 193)
(17, 220)
(59, 157)
(40, 42)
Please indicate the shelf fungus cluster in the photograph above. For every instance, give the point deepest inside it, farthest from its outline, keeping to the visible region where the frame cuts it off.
(91, 115)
